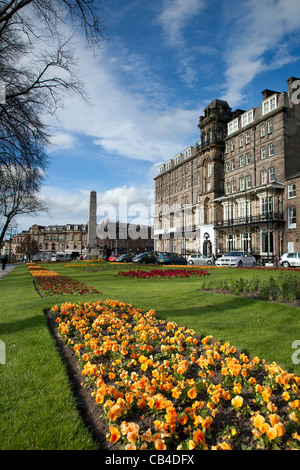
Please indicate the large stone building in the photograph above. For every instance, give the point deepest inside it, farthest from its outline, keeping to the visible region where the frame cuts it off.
(236, 189)
(70, 240)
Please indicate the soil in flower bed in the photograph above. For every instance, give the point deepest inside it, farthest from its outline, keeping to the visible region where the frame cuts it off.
(222, 390)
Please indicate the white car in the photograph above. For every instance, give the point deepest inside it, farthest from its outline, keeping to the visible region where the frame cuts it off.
(290, 259)
(236, 259)
(200, 260)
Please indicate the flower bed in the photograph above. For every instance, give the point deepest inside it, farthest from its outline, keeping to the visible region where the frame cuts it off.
(165, 273)
(286, 288)
(50, 283)
(159, 386)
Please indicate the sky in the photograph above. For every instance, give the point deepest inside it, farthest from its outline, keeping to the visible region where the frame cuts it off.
(161, 63)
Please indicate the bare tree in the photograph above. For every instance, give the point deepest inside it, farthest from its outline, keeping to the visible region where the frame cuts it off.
(19, 187)
(28, 247)
(38, 67)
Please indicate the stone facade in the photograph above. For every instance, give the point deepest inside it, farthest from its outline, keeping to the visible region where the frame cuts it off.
(291, 241)
(72, 240)
(68, 240)
(230, 190)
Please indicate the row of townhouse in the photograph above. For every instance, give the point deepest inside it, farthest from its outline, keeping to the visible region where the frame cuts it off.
(72, 240)
(237, 188)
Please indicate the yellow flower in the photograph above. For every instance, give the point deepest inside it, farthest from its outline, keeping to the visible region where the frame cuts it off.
(237, 401)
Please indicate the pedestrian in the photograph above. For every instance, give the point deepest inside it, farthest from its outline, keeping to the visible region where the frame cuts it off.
(3, 261)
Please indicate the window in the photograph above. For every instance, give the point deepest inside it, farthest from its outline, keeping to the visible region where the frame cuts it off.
(263, 153)
(263, 177)
(269, 105)
(242, 184)
(270, 127)
(248, 159)
(266, 107)
(248, 181)
(232, 145)
(246, 241)
(226, 148)
(233, 164)
(247, 118)
(209, 170)
(267, 242)
(247, 137)
(227, 169)
(241, 140)
(262, 130)
(242, 209)
(273, 103)
(266, 206)
(271, 174)
(233, 186)
(242, 161)
(227, 187)
(292, 217)
(291, 191)
(271, 150)
(233, 126)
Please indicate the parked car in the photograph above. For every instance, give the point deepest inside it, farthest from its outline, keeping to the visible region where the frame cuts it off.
(170, 258)
(236, 259)
(290, 259)
(61, 258)
(200, 260)
(126, 258)
(145, 258)
(113, 257)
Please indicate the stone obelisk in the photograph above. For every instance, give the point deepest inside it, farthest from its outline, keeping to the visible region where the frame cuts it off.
(92, 248)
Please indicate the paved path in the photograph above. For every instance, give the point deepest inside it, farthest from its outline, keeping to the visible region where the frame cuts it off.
(8, 269)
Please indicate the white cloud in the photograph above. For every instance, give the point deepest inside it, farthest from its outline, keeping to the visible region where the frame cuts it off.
(255, 45)
(126, 115)
(61, 141)
(72, 206)
(176, 16)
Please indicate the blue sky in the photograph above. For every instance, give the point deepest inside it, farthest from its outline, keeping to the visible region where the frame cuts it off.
(161, 63)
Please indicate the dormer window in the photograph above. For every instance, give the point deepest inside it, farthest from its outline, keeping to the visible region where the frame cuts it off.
(269, 105)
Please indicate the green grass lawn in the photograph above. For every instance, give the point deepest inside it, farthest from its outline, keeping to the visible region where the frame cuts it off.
(37, 408)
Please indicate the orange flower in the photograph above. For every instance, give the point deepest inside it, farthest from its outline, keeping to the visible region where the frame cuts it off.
(192, 393)
(258, 420)
(279, 429)
(183, 419)
(176, 392)
(114, 434)
(264, 428)
(147, 436)
(286, 396)
(272, 433)
(159, 444)
(274, 419)
(130, 447)
(198, 436)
